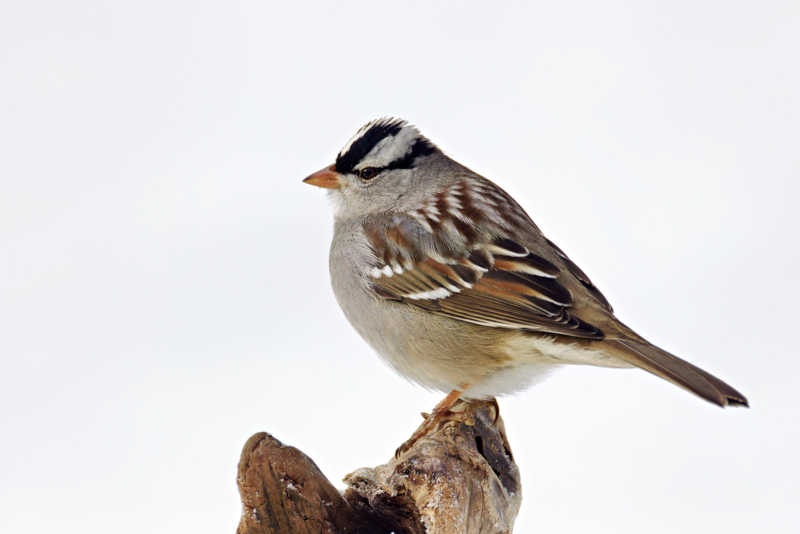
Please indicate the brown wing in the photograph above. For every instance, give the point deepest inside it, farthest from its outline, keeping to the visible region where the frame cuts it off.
(500, 284)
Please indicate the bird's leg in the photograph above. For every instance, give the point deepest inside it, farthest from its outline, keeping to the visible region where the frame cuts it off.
(440, 413)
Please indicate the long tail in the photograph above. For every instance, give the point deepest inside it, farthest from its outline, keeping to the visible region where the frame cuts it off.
(679, 372)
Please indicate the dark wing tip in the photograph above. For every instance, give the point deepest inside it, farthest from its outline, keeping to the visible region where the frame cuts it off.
(578, 273)
(511, 247)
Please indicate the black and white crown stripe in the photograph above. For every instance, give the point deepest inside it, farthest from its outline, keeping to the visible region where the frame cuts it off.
(385, 143)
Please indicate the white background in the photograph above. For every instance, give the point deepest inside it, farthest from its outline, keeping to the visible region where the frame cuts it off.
(164, 290)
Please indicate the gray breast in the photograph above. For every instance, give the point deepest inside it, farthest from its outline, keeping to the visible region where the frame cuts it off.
(434, 351)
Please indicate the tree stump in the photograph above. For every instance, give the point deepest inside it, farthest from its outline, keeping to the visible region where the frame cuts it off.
(461, 478)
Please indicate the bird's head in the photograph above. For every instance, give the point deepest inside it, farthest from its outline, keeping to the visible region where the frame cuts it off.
(381, 169)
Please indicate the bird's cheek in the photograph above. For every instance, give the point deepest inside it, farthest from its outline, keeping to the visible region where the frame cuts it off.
(338, 202)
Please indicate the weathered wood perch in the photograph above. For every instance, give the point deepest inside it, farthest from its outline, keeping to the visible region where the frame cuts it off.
(459, 479)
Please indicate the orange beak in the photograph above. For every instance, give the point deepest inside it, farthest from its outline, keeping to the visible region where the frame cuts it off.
(326, 178)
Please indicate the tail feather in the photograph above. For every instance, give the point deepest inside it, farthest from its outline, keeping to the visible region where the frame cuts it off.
(679, 372)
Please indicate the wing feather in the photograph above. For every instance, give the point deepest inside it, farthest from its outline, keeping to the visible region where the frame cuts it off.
(493, 281)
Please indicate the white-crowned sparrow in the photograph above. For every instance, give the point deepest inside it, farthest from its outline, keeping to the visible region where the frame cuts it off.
(453, 285)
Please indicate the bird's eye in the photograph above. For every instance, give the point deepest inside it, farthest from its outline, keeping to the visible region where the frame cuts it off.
(367, 174)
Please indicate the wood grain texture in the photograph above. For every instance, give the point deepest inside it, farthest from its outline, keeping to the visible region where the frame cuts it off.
(460, 478)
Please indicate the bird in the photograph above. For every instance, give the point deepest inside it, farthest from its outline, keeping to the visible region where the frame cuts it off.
(455, 287)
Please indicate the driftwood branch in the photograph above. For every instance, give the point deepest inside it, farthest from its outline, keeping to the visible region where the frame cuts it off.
(460, 478)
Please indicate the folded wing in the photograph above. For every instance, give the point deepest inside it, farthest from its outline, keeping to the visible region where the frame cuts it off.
(497, 282)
